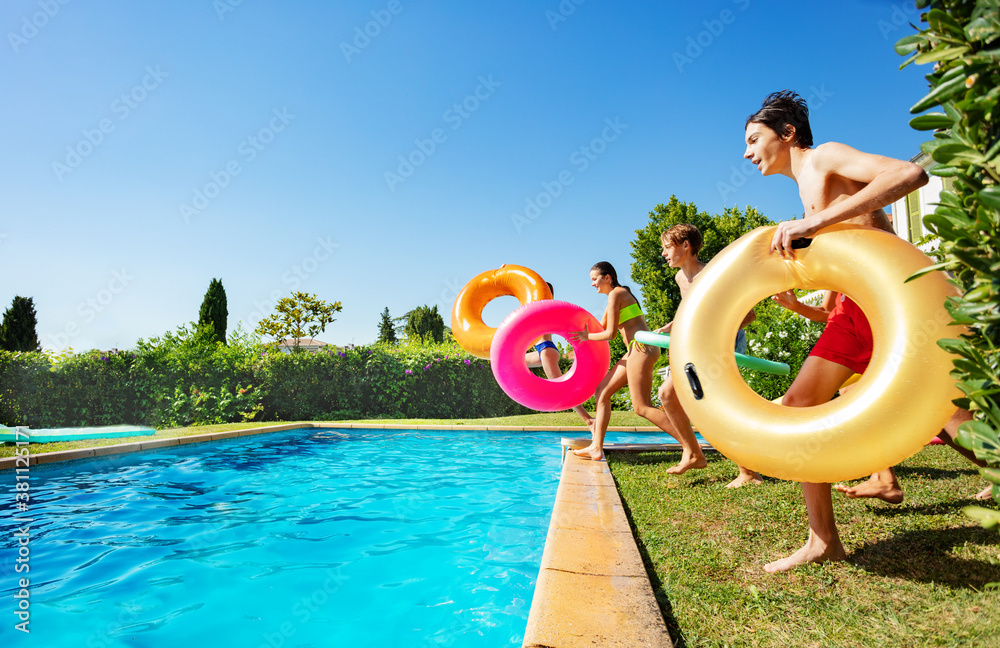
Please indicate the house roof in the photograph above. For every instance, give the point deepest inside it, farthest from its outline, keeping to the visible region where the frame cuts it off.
(302, 342)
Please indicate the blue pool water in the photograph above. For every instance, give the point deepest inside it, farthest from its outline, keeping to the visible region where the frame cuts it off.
(301, 538)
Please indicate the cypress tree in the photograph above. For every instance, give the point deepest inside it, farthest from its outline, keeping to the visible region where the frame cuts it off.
(214, 310)
(18, 330)
(386, 330)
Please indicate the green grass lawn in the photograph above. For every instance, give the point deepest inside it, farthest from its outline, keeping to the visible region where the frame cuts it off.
(915, 576)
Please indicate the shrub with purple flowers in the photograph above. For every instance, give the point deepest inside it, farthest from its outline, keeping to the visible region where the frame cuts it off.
(190, 377)
(412, 379)
(186, 377)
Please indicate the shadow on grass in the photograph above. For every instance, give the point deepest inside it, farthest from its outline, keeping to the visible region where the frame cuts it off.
(935, 473)
(936, 508)
(926, 556)
(647, 458)
(661, 457)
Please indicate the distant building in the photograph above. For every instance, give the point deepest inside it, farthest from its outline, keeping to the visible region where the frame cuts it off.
(311, 345)
(908, 212)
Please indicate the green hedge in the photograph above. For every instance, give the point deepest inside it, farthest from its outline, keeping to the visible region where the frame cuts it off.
(88, 389)
(961, 42)
(18, 387)
(408, 381)
(188, 378)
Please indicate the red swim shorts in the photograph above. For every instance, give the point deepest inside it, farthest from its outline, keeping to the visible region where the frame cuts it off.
(847, 339)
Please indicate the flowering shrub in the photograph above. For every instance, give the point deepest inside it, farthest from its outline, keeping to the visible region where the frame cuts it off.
(782, 336)
(188, 377)
(411, 380)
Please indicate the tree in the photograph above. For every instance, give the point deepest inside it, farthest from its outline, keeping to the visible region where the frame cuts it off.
(425, 323)
(960, 40)
(660, 295)
(214, 310)
(298, 316)
(386, 329)
(18, 330)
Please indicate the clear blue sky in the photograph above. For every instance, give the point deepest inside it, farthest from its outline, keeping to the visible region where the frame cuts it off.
(152, 146)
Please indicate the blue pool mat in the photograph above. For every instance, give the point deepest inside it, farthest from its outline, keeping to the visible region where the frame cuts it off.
(50, 435)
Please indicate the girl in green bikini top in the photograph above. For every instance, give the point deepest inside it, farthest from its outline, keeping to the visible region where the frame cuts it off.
(629, 312)
(604, 277)
(635, 369)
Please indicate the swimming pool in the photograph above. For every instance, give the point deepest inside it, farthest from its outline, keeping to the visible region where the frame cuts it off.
(301, 538)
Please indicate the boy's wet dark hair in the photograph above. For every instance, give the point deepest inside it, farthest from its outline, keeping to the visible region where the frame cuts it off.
(781, 110)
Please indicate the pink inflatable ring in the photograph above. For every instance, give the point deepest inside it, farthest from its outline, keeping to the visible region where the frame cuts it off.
(514, 338)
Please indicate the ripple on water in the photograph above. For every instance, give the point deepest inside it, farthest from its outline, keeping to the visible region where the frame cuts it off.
(375, 537)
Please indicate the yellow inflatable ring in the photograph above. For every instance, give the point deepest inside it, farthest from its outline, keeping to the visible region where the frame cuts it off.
(467, 325)
(901, 401)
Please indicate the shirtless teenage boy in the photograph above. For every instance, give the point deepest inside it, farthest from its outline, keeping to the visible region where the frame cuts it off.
(681, 244)
(837, 184)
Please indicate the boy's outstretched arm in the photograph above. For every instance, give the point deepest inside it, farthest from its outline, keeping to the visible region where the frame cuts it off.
(885, 180)
(787, 299)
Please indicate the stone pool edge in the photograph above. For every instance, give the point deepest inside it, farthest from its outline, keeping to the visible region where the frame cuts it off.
(592, 587)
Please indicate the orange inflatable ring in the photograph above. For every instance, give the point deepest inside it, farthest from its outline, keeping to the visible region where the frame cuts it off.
(467, 325)
(902, 400)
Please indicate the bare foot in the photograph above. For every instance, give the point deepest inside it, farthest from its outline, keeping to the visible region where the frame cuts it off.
(595, 453)
(814, 551)
(885, 490)
(986, 494)
(743, 479)
(687, 463)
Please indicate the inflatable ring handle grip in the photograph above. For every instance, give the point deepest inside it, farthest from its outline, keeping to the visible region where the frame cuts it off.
(801, 243)
(693, 380)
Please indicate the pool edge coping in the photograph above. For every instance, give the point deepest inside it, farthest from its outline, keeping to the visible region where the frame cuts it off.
(592, 587)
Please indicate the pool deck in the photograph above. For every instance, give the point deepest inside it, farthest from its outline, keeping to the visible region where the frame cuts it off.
(592, 587)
